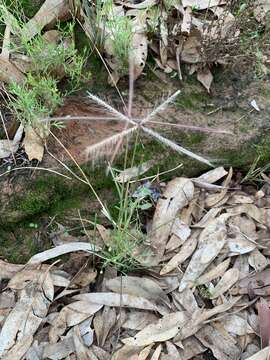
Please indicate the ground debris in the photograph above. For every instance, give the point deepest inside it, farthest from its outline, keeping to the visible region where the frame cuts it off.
(208, 293)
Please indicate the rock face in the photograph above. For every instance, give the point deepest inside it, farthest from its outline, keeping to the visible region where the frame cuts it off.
(28, 195)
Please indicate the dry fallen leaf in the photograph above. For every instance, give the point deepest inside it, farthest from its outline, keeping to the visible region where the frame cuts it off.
(264, 321)
(164, 329)
(184, 253)
(205, 77)
(217, 271)
(211, 241)
(28, 314)
(8, 147)
(50, 11)
(34, 143)
(227, 281)
(177, 195)
(61, 250)
(117, 300)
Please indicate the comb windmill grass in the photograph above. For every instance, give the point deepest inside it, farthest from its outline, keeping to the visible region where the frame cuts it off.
(134, 125)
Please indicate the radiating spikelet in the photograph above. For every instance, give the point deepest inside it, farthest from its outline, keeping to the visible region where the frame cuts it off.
(162, 107)
(174, 146)
(109, 108)
(104, 147)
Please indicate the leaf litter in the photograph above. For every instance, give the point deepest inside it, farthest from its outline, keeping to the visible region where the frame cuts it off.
(207, 294)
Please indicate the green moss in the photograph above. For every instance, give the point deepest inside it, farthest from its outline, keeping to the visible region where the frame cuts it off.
(19, 245)
(195, 101)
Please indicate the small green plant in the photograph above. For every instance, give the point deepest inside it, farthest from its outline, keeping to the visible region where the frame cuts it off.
(110, 29)
(35, 99)
(126, 235)
(49, 61)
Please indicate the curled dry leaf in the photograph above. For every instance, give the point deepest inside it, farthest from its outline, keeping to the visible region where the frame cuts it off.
(8, 147)
(227, 281)
(118, 300)
(205, 77)
(264, 321)
(61, 250)
(211, 176)
(72, 315)
(211, 241)
(258, 284)
(9, 73)
(34, 143)
(137, 286)
(138, 320)
(184, 253)
(103, 323)
(216, 272)
(28, 314)
(164, 329)
(237, 325)
(177, 195)
(50, 11)
(133, 172)
(214, 199)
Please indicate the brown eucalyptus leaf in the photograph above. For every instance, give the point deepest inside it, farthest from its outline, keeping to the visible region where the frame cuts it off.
(164, 329)
(205, 77)
(202, 4)
(60, 350)
(227, 281)
(212, 176)
(191, 348)
(9, 73)
(264, 321)
(178, 193)
(145, 352)
(22, 278)
(138, 320)
(257, 284)
(103, 323)
(118, 300)
(127, 352)
(214, 199)
(61, 250)
(197, 318)
(28, 313)
(137, 286)
(211, 241)
(184, 253)
(180, 229)
(237, 325)
(257, 260)
(8, 270)
(34, 143)
(216, 272)
(50, 11)
(221, 347)
(71, 315)
(20, 348)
